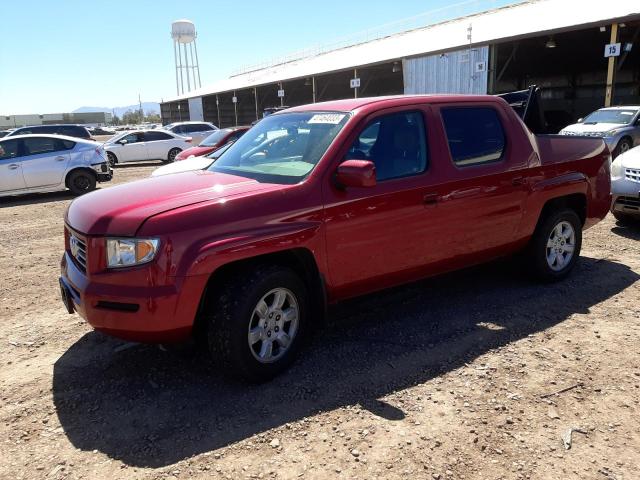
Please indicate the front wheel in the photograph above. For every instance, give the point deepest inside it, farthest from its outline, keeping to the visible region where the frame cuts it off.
(81, 182)
(623, 146)
(257, 322)
(112, 159)
(173, 153)
(624, 219)
(555, 246)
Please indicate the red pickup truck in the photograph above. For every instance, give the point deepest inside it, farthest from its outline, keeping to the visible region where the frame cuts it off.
(323, 202)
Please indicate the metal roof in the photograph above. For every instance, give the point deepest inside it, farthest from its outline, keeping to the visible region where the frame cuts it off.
(518, 21)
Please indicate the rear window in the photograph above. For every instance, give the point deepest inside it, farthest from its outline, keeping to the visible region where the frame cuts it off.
(73, 131)
(475, 135)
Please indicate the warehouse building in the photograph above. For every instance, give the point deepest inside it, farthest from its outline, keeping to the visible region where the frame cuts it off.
(584, 55)
(93, 119)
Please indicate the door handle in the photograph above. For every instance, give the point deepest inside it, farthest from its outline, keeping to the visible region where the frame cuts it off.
(13, 166)
(430, 199)
(60, 159)
(517, 181)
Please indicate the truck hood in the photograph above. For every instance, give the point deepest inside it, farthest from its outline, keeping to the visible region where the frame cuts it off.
(578, 128)
(121, 210)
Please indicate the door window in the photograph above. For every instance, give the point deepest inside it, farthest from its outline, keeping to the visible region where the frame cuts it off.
(475, 135)
(133, 138)
(8, 149)
(39, 145)
(155, 136)
(395, 143)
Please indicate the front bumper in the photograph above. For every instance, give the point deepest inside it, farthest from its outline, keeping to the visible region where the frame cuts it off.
(152, 314)
(626, 196)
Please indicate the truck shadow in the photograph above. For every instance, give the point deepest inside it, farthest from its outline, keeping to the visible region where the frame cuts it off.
(148, 408)
(39, 198)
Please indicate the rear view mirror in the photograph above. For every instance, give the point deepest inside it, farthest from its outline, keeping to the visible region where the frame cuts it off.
(356, 173)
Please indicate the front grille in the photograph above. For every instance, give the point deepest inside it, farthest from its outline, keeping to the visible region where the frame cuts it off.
(78, 249)
(632, 174)
(631, 203)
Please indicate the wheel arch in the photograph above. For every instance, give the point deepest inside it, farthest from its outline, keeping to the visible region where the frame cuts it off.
(301, 260)
(574, 201)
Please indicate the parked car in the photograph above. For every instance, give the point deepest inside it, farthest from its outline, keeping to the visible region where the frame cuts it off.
(359, 195)
(191, 164)
(619, 126)
(4, 133)
(143, 145)
(214, 141)
(198, 131)
(48, 163)
(102, 131)
(78, 131)
(625, 186)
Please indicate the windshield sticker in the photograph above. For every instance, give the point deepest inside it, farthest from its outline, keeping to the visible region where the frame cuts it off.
(330, 118)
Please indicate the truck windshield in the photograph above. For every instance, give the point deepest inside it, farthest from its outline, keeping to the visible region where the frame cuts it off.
(619, 116)
(282, 148)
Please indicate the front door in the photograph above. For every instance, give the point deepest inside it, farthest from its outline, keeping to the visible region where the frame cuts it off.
(378, 236)
(10, 166)
(135, 148)
(44, 161)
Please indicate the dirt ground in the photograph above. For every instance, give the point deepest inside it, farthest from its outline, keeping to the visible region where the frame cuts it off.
(449, 378)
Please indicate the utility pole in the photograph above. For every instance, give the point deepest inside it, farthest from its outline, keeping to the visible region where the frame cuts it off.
(141, 112)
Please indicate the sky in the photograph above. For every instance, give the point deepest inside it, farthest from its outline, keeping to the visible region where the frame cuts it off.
(59, 55)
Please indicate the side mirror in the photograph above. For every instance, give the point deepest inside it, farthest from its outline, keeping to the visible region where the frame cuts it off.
(580, 120)
(356, 173)
(123, 142)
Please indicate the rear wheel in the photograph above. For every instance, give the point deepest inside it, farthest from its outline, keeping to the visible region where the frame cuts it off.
(257, 322)
(81, 181)
(173, 153)
(112, 159)
(555, 246)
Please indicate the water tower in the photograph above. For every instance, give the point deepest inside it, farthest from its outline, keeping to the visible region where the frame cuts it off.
(183, 33)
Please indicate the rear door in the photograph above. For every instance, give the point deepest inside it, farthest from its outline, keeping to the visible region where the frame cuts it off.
(487, 177)
(44, 160)
(158, 144)
(10, 166)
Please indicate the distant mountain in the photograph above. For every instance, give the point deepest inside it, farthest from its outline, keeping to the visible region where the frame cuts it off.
(148, 107)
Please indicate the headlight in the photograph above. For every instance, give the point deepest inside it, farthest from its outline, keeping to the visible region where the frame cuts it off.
(126, 252)
(611, 133)
(616, 168)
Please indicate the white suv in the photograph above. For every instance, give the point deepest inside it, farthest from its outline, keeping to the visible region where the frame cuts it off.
(47, 163)
(198, 131)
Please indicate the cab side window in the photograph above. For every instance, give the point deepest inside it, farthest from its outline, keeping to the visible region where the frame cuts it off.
(8, 149)
(154, 136)
(395, 143)
(475, 135)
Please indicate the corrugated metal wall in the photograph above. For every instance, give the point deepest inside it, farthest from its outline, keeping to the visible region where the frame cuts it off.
(461, 71)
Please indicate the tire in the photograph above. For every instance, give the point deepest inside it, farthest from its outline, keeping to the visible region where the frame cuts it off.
(112, 159)
(237, 336)
(547, 241)
(81, 182)
(173, 153)
(624, 145)
(625, 219)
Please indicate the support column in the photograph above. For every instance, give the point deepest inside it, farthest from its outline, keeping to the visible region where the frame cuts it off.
(218, 109)
(313, 87)
(255, 96)
(235, 107)
(611, 69)
(355, 90)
